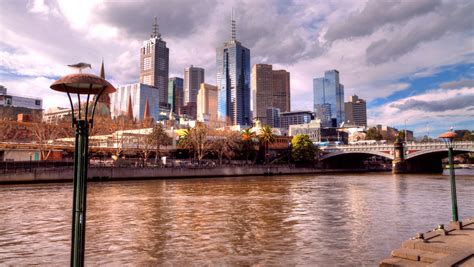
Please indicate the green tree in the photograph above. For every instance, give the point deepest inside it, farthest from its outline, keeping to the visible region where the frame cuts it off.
(373, 134)
(266, 137)
(302, 149)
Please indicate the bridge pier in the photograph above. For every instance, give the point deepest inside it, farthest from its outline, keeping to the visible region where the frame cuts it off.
(399, 164)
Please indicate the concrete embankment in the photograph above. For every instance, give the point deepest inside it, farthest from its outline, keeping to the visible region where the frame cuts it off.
(445, 246)
(58, 175)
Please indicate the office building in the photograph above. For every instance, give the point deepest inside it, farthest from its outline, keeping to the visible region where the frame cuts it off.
(233, 81)
(175, 94)
(356, 111)
(311, 129)
(130, 100)
(273, 117)
(329, 99)
(294, 117)
(154, 64)
(270, 88)
(207, 103)
(193, 77)
(13, 105)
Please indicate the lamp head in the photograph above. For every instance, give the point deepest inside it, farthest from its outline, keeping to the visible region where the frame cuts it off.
(448, 138)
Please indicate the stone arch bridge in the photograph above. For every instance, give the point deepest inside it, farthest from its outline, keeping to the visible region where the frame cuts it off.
(406, 157)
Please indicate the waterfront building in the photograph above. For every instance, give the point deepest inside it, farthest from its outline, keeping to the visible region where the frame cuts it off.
(295, 117)
(329, 99)
(175, 94)
(13, 105)
(273, 117)
(57, 114)
(312, 129)
(233, 81)
(154, 64)
(390, 133)
(207, 103)
(356, 111)
(193, 77)
(270, 88)
(130, 100)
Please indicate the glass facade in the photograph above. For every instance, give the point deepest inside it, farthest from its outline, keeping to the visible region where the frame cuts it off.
(329, 99)
(175, 94)
(233, 82)
(138, 93)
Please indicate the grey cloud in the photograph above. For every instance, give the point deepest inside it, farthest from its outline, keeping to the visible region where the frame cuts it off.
(453, 103)
(175, 18)
(376, 14)
(458, 84)
(453, 18)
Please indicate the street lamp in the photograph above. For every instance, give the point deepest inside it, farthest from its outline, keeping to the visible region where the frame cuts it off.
(86, 85)
(448, 139)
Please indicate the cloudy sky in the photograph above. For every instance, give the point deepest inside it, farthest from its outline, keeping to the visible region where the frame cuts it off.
(412, 60)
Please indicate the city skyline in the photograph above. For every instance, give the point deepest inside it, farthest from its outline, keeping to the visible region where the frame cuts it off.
(396, 62)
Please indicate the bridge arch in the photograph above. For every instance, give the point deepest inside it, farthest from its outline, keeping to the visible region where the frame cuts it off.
(372, 153)
(438, 150)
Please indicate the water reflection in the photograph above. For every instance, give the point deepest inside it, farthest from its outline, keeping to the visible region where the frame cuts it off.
(282, 220)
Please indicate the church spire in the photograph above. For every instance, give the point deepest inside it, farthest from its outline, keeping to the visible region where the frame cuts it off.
(102, 72)
(130, 108)
(156, 29)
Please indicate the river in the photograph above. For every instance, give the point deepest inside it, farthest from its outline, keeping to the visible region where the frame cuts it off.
(309, 220)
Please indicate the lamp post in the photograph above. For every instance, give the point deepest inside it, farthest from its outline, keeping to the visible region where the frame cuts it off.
(83, 119)
(448, 139)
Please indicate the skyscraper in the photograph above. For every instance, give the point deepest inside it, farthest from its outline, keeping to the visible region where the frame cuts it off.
(270, 88)
(233, 81)
(154, 64)
(193, 77)
(329, 99)
(207, 103)
(356, 111)
(175, 94)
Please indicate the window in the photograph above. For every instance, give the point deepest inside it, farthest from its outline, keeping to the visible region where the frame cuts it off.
(38, 102)
(147, 63)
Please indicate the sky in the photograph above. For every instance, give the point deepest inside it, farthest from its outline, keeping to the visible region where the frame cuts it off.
(411, 60)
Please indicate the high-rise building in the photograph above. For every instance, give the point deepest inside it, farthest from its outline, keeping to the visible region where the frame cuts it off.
(295, 117)
(154, 64)
(207, 103)
(262, 88)
(281, 90)
(130, 100)
(175, 94)
(329, 99)
(273, 117)
(193, 77)
(233, 81)
(270, 88)
(356, 111)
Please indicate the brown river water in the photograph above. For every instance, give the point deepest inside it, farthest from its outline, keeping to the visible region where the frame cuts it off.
(303, 220)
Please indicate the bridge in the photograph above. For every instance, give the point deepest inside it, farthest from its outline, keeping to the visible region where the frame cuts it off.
(416, 157)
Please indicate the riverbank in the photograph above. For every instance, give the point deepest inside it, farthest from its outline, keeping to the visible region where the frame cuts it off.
(449, 246)
(109, 173)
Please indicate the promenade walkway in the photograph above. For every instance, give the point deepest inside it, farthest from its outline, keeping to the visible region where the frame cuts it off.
(440, 247)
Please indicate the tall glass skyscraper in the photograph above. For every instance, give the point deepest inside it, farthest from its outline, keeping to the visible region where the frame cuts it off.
(233, 81)
(175, 94)
(329, 99)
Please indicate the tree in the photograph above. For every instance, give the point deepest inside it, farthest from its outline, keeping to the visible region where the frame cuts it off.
(225, 143)
(249, 140)
(302, 149)
(197, 140)
(266, 137)
(373, 134)
(159, 138)
(44, 134)
(145, 145)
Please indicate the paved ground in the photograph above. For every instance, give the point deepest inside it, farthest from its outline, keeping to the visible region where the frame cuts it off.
(448, 247)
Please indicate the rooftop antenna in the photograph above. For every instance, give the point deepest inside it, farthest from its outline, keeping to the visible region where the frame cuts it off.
(156, 32)
(232, 26)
